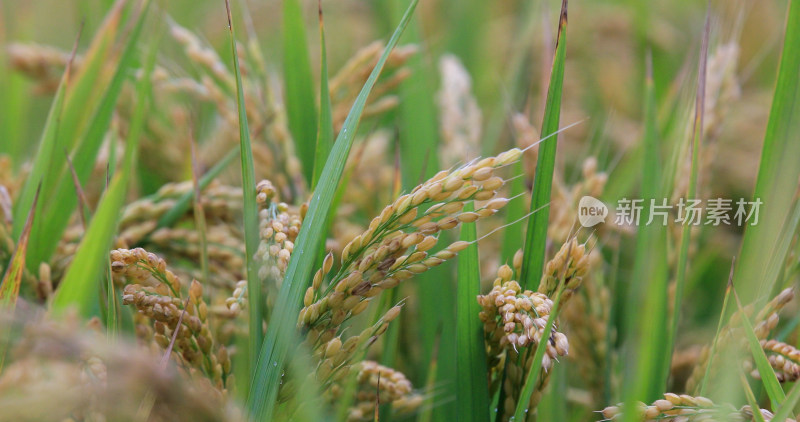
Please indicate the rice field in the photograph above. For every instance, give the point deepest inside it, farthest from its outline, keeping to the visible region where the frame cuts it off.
(437, 210)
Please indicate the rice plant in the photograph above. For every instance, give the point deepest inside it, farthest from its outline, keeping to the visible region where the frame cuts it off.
(472, 211)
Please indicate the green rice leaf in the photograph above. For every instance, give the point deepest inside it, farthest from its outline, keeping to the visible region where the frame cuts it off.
(751, 398)
(56, 218)
(13, 103)
(536, 236)
(515, 72)
(79, 288)
(783, 246)
(48, 146)
(280, 335)
(472, 390)
(650, 263)
(515, 210)
(553, 407)
(712, 352)
(468, 34)
(200, 215)
(768, 377)
(112, 307)
(418, 141)
(300, 103)
(9, 286)
(785, 410)
(325, 129)
(83, 96)
(697, 139)
(778, 172)
(251, 230)
(69, 111)
(536, 365)
(426, 412)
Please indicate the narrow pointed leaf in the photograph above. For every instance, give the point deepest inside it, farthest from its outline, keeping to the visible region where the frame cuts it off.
(651, 357)
(83, 96)
(768, 377)
(9, 286)
(697, 139)
(720, 323)
(779, 170)
(75, 106)
(751, 399)
(251, 231)
(418, 144)
(46, 151)
(515, 210)
(79, 286)
(325, 129)
(280, 335)
(472, 390)
(536, 364)
(536, 235)
(785, 409)
(83, 156)
(299, 85)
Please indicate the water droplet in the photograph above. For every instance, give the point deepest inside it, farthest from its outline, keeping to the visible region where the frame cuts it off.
(274, 363)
